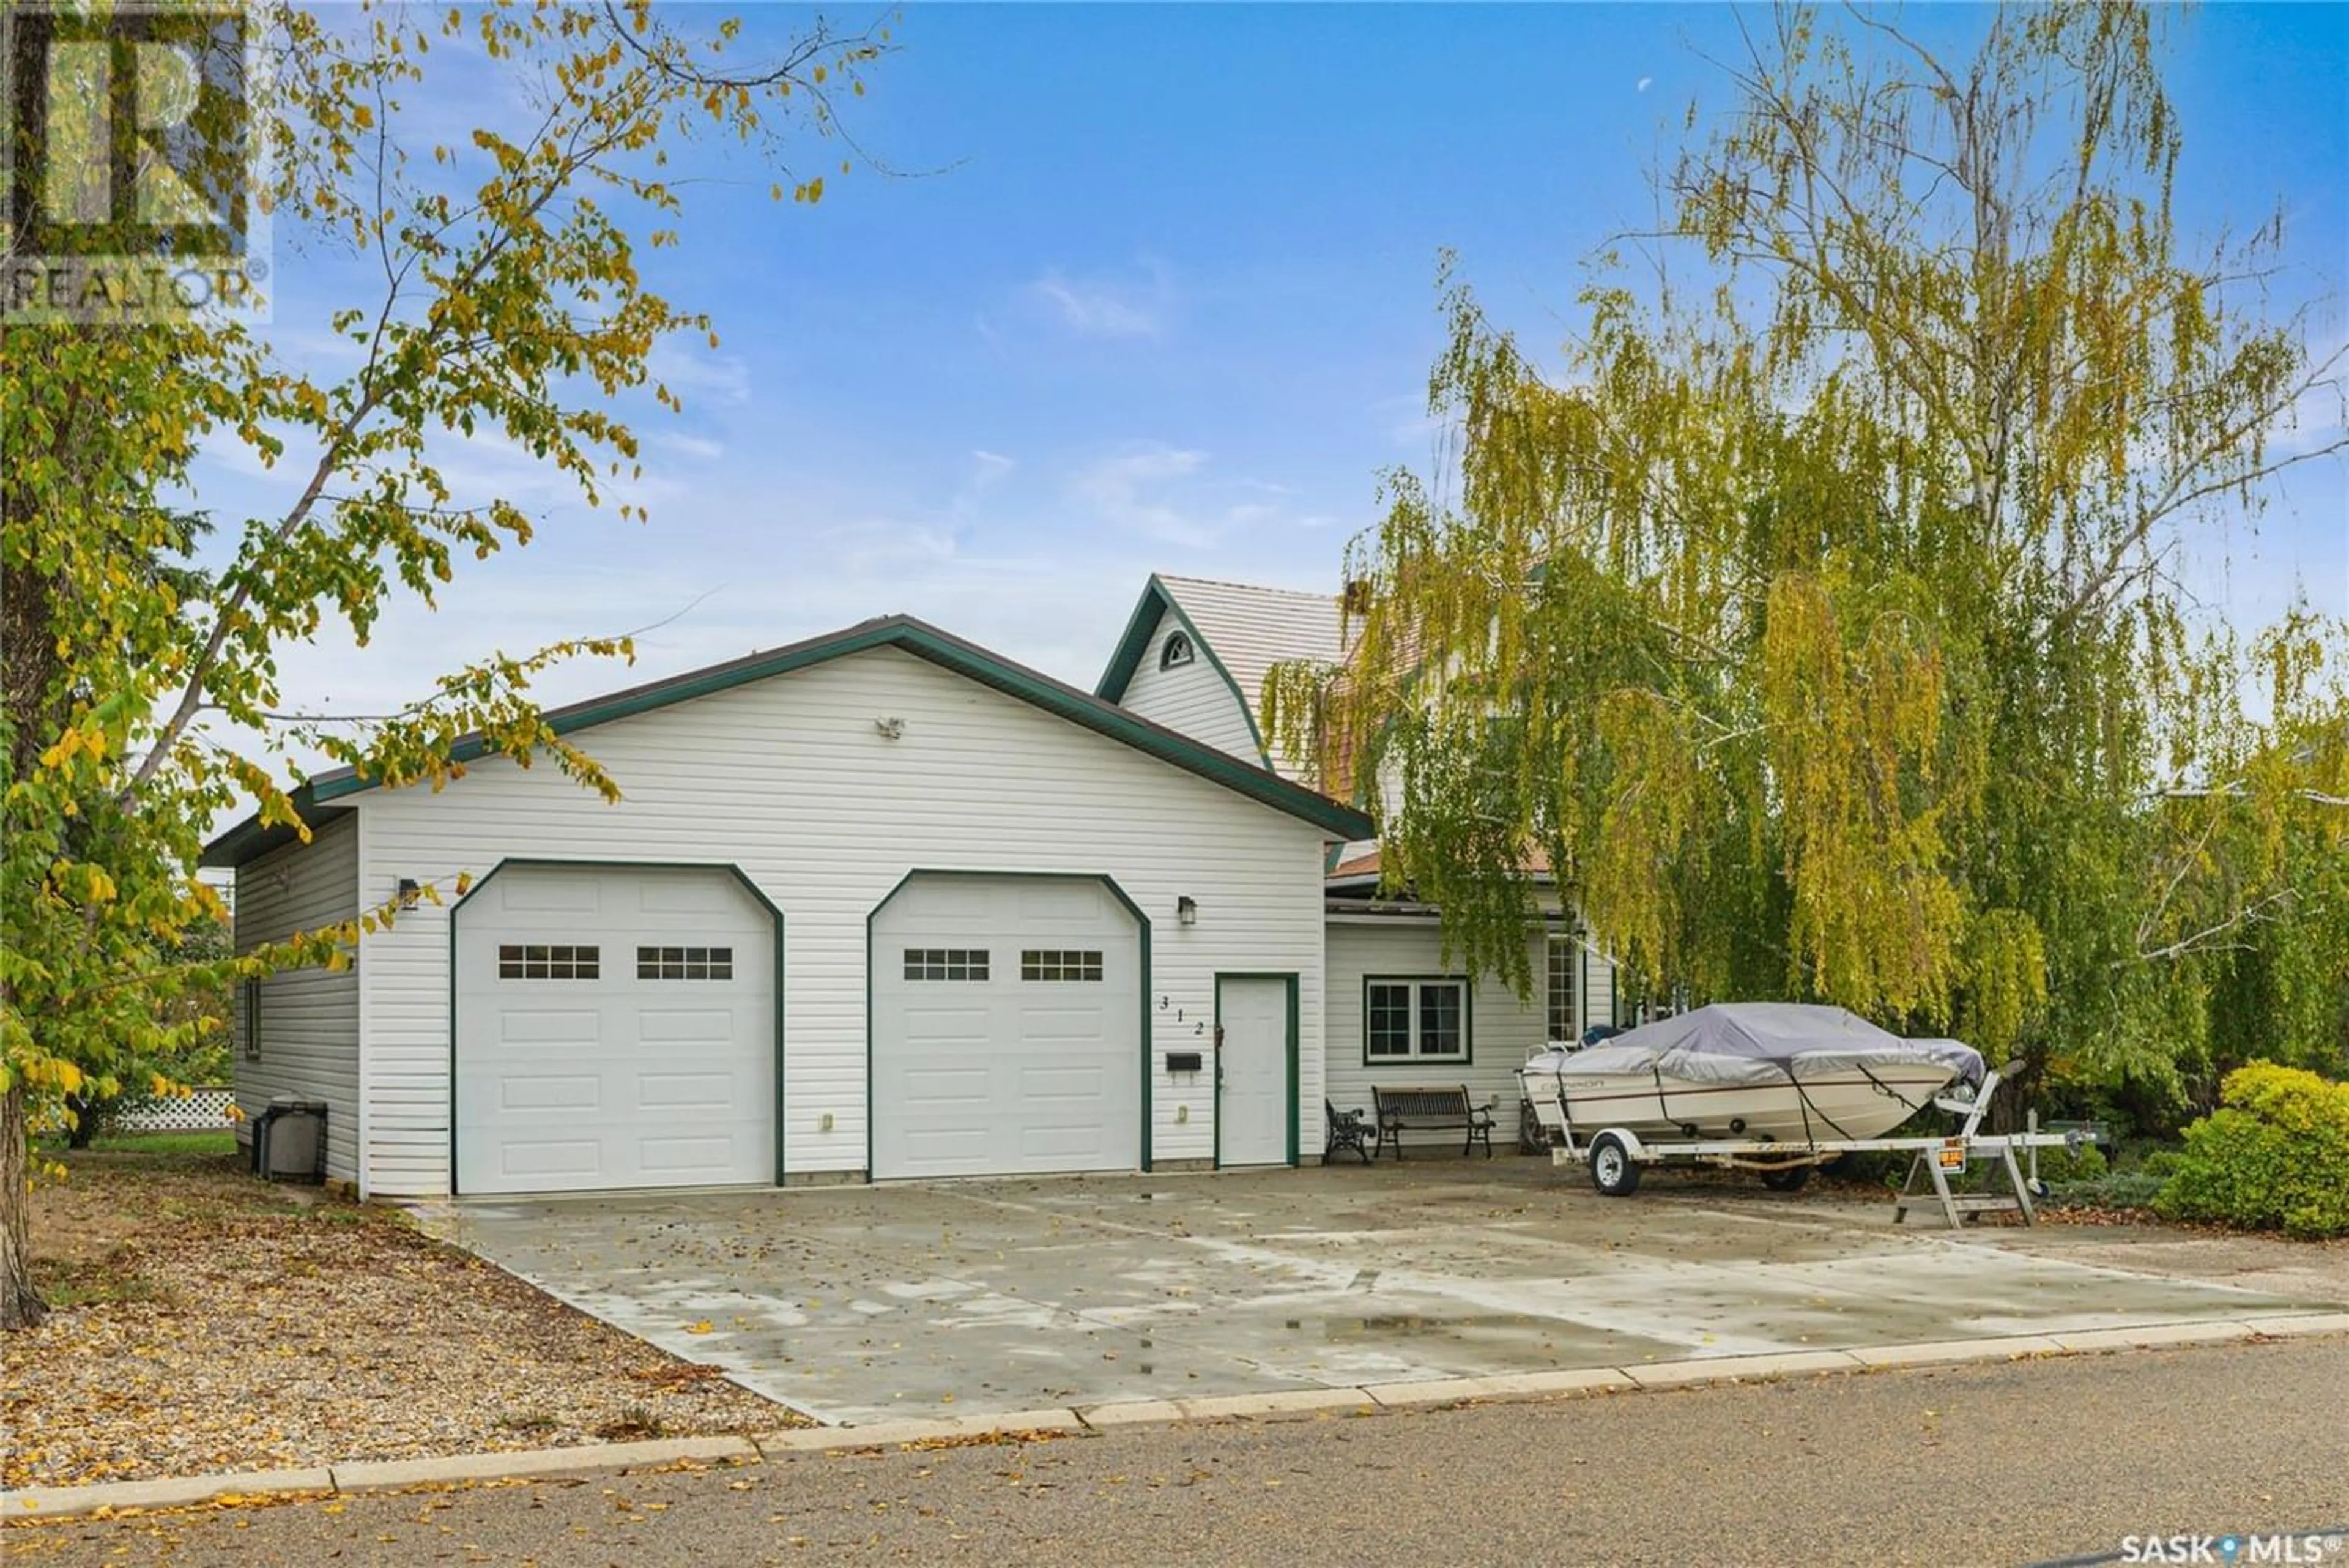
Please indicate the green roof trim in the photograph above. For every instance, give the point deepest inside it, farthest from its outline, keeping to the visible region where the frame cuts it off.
(252, 838)
(923, 641)
(1156, 604)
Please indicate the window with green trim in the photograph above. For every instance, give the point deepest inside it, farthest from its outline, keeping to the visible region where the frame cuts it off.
(1177, 651)
(1415, 1021)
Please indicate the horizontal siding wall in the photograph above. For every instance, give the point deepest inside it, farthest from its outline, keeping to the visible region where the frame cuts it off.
(790, 779)
(309, 1018)
(1597, 990)
(1503, 1031)
(1194, 698)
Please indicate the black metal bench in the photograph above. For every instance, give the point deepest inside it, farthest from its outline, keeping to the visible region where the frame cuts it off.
(1348, 1129)
(1422, 1109)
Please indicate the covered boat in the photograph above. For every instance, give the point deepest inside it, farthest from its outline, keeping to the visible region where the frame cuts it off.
(1777, 1071)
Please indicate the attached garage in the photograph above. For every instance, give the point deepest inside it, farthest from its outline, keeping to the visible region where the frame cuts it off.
(1006, 1027)
(615, 1028)
(879, 904)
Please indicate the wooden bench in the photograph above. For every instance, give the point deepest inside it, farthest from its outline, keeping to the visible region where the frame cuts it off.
(1401, 1110)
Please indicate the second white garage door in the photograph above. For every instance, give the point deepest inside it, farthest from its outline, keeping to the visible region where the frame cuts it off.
(1006, 1034)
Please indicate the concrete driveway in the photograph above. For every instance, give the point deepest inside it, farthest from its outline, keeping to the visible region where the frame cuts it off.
(862, 1303)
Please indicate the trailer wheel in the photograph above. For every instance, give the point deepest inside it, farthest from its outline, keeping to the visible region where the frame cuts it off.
(1612, 1169)
(1789, 1178)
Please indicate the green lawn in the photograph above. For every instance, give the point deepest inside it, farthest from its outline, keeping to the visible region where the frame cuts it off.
(182, 1143)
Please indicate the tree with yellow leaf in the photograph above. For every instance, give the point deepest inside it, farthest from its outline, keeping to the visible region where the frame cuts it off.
(139, 708)
(1820, 620)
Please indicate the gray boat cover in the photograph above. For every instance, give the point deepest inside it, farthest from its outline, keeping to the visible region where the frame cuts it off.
(1759, 1043)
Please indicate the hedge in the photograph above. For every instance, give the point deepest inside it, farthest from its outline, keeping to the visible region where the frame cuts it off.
(2273, 1156)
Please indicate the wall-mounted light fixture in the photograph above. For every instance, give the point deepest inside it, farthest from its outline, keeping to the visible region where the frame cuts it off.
(411, 892)
(1187, 910)
(889, 729)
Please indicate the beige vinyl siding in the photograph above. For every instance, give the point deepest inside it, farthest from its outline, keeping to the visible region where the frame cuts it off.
(791, 779)
(1502, 1030)
(309, 1018)
(1194, 698)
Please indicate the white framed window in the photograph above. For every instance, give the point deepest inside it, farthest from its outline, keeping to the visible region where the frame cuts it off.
(1177, 651)
(685, 963)
(1411, 1019)
(946, 963)
(1054, 963)
(1564, 990)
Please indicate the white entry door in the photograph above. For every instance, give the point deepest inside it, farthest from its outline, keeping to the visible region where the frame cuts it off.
(1006, 1028)
(615, 1028)
(1252, 1090)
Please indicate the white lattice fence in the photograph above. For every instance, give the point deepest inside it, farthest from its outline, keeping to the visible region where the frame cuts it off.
(204, 1110)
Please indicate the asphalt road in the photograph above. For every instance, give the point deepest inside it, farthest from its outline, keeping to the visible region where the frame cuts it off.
(2000, 1464)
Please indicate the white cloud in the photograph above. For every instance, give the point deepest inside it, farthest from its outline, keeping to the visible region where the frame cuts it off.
(1646, 82)
(1128, 489)
(1169, 494)
(1102, 307)
(990, 467)
(688, 370)
(693, 446)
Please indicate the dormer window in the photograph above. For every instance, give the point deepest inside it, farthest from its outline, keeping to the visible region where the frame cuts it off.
(1178, 650)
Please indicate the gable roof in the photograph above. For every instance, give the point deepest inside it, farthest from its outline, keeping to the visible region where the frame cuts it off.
(252, 837)
(1242, 630)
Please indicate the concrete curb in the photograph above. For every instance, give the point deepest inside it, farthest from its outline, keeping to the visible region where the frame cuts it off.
(57, 1502)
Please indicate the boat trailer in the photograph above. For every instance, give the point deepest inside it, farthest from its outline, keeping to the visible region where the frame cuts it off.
(1616, 1156)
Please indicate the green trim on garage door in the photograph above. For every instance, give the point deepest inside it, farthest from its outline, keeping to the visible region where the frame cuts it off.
(774, 913)
(1141, 929)
(1290, 976)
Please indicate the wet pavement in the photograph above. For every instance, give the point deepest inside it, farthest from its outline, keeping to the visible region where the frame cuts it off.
(862, 1303)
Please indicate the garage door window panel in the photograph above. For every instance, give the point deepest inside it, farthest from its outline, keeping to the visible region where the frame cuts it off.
(1406, 1021)
(946, 963)
(685, 963)
(1059, 964)
(518, 960)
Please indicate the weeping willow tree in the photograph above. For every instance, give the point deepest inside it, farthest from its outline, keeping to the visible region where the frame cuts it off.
(1818, 617)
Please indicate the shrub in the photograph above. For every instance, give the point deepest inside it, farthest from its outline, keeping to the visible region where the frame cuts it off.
(2274, 1156)
(2064, 1167)
(2120, 1190)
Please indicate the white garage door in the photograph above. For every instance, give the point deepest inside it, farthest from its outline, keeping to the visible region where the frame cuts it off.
(1007, 1033)
(614, 1029)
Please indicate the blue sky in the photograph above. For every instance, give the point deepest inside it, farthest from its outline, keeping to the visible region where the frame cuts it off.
(1166, 303)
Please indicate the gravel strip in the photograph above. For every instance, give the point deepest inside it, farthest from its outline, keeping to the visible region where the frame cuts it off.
(206, 1322)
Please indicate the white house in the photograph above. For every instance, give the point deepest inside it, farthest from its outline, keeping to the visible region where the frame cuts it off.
(1193, 656)
(879, 904)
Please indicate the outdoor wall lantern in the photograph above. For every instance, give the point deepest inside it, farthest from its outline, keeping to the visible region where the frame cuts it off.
(1187, 910)
(410, 891)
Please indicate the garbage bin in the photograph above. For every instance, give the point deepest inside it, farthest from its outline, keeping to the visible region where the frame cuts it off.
(289, 1140)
